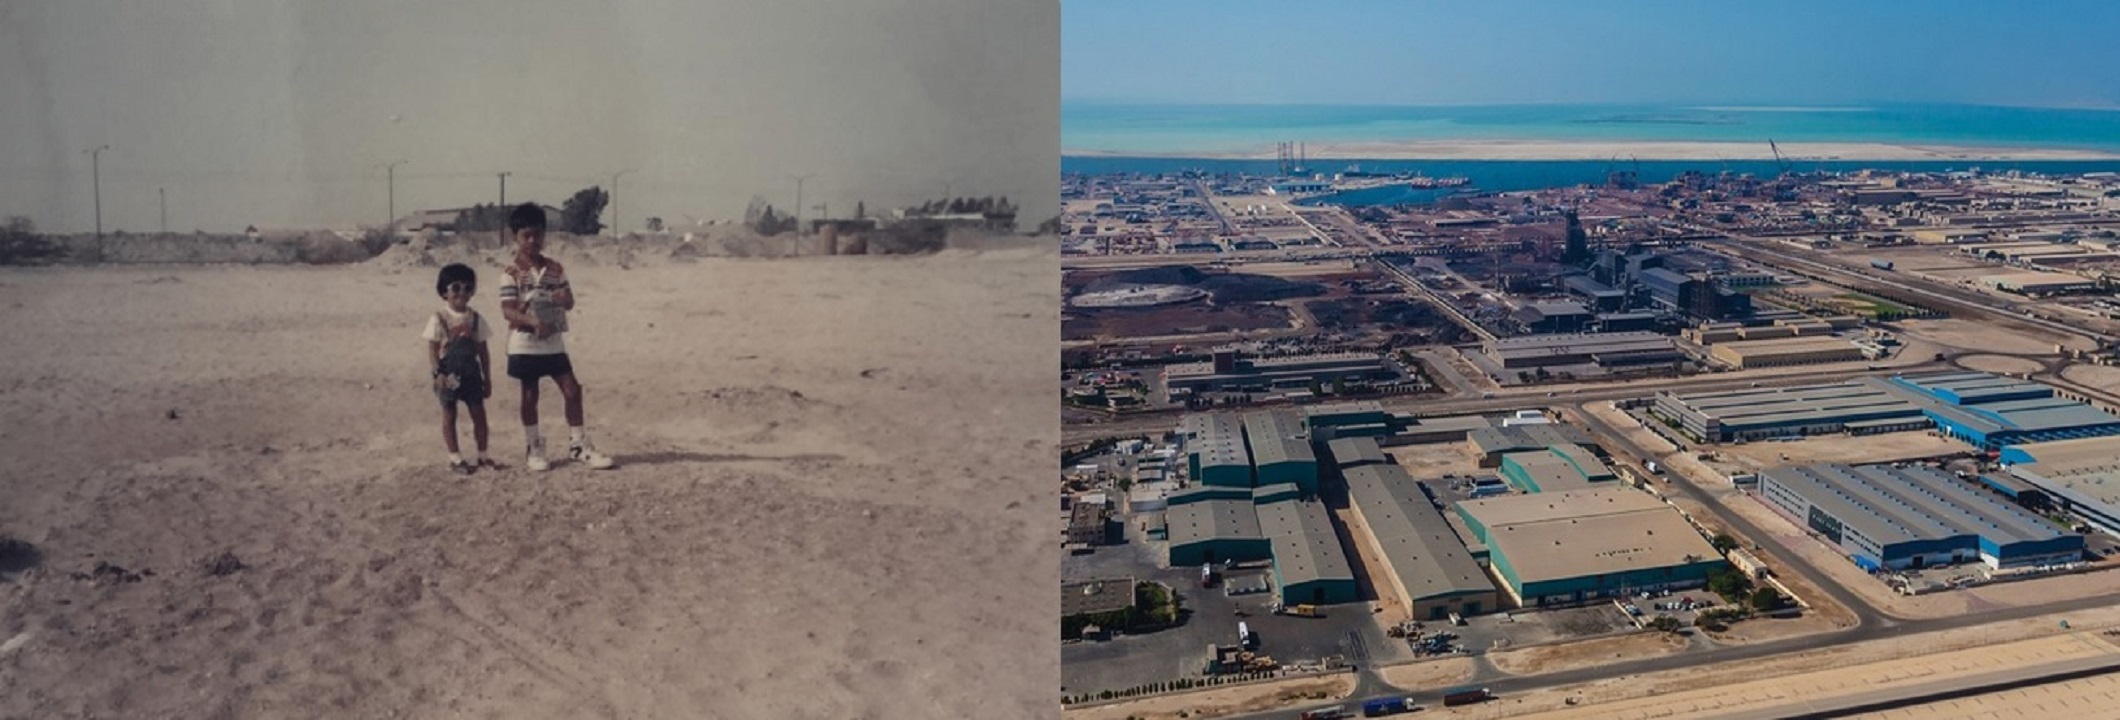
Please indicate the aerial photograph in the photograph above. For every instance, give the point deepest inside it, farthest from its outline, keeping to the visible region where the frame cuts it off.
(520, 359)
(1543, 359)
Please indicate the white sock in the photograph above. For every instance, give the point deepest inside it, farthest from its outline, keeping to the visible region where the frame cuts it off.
(578, 434)
(482, 455)
(455, 459)
(530, 436)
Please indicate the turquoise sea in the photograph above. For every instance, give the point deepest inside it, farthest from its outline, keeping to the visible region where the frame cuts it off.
(1169, 132)
(1178, 129)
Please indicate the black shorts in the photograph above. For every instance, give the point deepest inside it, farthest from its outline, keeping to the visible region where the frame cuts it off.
(470, 389)
(529, 368)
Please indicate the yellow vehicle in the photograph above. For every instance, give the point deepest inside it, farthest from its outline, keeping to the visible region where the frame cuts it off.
(1309, 611)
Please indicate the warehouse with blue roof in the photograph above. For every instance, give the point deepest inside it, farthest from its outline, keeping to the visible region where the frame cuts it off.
(1990, 412)
(1888, 517)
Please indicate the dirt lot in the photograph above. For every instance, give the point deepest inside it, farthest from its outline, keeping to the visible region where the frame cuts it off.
(233, 479)
(1981, 336)
(1429, 673)
(1887, 447)
(2001, 364)
(1196, 318)
(1586, 653)
(2103, 377)
(1766, 629)
(1314, 270)
(1223, 701)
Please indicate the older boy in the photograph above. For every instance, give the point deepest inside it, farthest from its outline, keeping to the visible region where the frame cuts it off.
(535, 300)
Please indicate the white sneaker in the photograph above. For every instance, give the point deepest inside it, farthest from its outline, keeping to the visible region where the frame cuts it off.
(585, 454)
(536, 460)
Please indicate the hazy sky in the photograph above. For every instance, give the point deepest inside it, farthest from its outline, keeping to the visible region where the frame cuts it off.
(2052, 53)
(282, 114)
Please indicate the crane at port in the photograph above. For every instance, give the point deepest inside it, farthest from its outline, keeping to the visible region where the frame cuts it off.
(1778, 159)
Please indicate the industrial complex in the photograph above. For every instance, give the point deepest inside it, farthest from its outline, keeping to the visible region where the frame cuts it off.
(1807, 397)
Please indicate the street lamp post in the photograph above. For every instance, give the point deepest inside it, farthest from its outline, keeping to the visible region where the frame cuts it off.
(616, 230)
(390, 179)
(798, 200)
(95, 169)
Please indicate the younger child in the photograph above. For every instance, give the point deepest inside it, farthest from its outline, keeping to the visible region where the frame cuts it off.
(456, 353)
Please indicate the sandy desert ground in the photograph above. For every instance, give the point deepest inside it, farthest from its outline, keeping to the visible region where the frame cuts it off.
(831, 505)
(1643, 150)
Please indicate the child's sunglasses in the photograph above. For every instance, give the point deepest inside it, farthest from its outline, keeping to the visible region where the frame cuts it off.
(460, 287)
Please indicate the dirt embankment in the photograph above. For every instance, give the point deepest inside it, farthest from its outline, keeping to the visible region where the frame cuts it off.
(429, 249)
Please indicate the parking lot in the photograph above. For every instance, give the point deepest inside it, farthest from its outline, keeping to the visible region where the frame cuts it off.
(1347, 630)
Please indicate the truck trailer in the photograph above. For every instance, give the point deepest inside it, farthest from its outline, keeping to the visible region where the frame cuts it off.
(1386, 706)
(1464, 696)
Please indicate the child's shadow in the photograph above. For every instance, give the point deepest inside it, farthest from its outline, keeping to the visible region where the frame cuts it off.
(685, 457)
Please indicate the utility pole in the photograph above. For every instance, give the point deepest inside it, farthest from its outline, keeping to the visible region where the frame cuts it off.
(390, 179)
(501, 229)
(162, 194)
(616, 231)
(798, 200)
(95, 169)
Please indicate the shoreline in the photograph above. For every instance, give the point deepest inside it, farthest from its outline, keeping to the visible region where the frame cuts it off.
(1606, 150)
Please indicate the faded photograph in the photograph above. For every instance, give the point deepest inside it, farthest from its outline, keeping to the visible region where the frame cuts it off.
(528, 359)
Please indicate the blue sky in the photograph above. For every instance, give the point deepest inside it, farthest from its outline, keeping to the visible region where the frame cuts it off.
(2054, 53)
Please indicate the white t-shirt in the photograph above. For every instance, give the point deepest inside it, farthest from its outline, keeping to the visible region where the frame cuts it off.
(528, 287)
(433, 331)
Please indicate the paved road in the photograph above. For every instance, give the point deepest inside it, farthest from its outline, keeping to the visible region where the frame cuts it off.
(1510, 399)
(1515, 685)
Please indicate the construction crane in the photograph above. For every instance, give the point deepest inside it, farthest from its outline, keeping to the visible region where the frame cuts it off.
(1778, 159)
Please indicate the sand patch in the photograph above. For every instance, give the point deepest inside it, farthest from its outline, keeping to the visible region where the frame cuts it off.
(1219, 702)
(1586, 653)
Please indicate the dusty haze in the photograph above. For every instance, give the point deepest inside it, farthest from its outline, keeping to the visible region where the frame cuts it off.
(282, 114)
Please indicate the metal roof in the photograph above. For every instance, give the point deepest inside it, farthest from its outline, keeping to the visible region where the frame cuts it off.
(1890, 504)
(1305, 548)
(1213, 520)
(1513, 438)
(1348, 451)
(1219, 440)
(1428, 557)
(1277, 437)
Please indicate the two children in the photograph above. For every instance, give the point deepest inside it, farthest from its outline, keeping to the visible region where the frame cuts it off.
(534, 300)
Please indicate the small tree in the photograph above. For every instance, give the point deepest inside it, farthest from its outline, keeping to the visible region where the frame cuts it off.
(655, 224)
(1665, 623)
(579, 214)
(1723, 542)
(1767, 599)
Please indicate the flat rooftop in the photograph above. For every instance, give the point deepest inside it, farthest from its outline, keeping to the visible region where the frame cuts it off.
(1547, 471)
(1218, 519)
(1305, 548)
(1524, 437)
(1915, 503)
(1096, 596)
(1559, 549)
(1578, 343)
(1599, 502)
(1788, 345)
(1418, 543)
